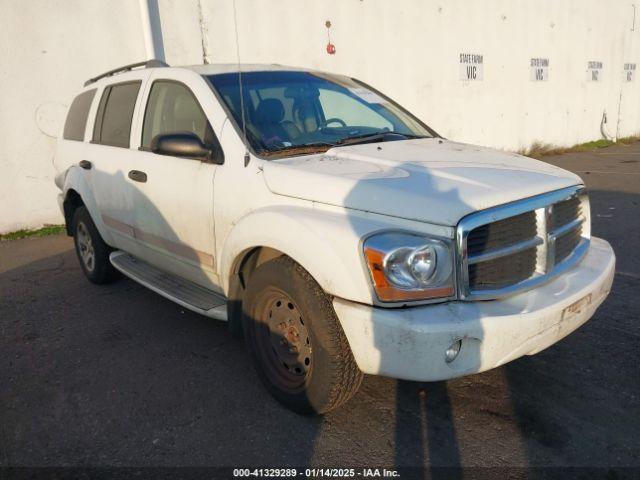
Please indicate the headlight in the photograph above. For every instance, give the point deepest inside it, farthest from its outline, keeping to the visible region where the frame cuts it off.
(405, 267)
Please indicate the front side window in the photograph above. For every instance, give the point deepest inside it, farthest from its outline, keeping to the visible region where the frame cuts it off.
(77, 117)
(290, 112)
(172, 108)
(115, 114)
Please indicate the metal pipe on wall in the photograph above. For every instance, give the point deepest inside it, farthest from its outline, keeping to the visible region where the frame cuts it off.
(152, 29)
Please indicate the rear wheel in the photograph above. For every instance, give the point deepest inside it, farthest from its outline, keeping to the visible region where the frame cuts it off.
(297, 344)
(93, 253)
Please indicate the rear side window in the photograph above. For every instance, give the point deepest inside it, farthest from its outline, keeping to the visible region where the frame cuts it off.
(77, 117)
(115, 114)
(172, 108)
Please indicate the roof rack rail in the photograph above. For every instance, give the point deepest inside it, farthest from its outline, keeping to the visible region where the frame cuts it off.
(126, 68)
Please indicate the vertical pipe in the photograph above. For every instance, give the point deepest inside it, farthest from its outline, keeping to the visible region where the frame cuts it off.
(152, 29)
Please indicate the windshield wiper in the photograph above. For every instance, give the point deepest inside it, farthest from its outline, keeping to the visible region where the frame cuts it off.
(303, 146)
(314, 147)
(374, 137)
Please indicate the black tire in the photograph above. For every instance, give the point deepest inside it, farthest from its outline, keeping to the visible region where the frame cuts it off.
(88, 244)
(297, 344)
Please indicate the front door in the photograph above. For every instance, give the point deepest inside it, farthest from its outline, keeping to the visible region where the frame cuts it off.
(173, 196)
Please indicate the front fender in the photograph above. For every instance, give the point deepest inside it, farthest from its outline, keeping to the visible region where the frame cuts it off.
(325, 243)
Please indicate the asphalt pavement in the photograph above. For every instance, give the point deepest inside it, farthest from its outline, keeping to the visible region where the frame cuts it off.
(118, 376)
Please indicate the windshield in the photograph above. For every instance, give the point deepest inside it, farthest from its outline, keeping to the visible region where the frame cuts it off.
(289, 112)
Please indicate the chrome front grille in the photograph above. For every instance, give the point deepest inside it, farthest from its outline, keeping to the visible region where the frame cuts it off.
(502, 233)
(565, 212)
(496, 273)
(514, 247)
(567, 243)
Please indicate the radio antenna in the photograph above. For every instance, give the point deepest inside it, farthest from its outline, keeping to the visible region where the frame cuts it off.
(244, 122)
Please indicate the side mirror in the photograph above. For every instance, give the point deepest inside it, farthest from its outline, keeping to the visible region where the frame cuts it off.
(187, 145)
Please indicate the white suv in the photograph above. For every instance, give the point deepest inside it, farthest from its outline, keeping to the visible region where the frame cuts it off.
(333, 228)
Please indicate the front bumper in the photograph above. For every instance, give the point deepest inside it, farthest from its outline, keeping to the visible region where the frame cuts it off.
(409, 343)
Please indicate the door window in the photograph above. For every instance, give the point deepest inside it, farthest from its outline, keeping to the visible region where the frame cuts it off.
(115, 114)
(172, 108)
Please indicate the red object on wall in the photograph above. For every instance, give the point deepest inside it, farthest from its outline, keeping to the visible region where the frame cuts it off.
(331, 48)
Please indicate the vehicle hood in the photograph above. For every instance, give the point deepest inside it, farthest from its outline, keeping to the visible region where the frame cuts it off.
(430, 180)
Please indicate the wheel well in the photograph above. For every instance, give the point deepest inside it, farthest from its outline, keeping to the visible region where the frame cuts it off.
(243, 267)
(253, 259)
(71, 203)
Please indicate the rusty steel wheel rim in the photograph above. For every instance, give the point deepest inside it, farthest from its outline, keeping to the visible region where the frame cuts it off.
(284, 341)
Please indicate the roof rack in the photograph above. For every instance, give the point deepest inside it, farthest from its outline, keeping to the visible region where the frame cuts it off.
(126, 68)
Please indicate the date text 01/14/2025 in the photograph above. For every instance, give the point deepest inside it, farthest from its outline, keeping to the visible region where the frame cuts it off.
(315, 473)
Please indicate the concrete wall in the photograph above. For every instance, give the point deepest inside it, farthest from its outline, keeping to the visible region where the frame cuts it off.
(409, 50)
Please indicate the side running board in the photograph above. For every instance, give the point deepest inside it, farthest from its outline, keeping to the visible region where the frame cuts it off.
(183, 292)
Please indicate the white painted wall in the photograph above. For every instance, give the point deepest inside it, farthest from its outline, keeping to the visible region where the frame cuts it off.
(408, 49)
(47, 49)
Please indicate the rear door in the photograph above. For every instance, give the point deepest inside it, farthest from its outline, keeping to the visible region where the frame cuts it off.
(71, 148)
(173, 217)
(110, 156)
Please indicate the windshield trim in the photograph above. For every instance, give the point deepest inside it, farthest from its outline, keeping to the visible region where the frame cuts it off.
(275, 155)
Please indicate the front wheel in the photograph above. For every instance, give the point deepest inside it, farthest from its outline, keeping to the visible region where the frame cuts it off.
(299, 349)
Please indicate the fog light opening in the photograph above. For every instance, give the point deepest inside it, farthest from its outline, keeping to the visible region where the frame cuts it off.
(452, 352)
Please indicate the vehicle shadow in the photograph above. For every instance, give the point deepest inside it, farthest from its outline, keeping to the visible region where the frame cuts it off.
(425, 432)
(425, 439)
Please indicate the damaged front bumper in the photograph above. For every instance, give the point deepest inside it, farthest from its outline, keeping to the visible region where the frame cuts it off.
(410, 343)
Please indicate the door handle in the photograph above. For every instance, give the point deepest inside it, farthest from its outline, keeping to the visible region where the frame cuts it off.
(138, 176)
(86, 164)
